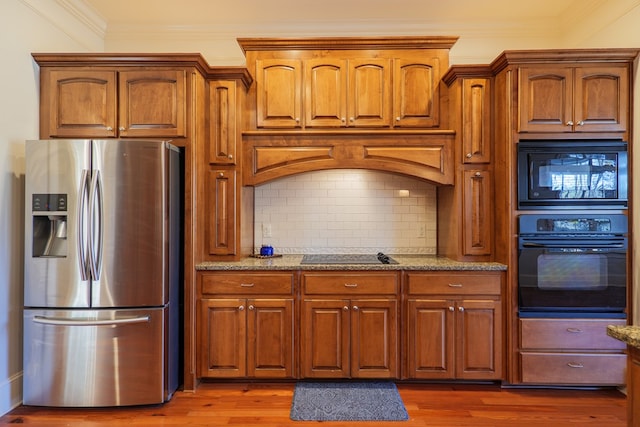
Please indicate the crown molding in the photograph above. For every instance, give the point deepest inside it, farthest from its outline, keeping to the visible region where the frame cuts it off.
(74, 18)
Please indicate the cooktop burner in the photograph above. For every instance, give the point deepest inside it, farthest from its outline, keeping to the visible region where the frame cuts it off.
(380, 258)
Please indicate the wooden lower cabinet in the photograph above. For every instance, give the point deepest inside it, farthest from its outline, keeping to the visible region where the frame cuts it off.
(349, 325)
(571, 352)
(454, 326)
(245, 326)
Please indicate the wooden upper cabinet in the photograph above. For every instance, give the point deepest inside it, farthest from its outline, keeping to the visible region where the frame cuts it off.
(476, 120)
(223, 123)
(152, 103)
(279, 93)
(369, 95)
(325, 92)
(564, 99)
(78, 103)
(344, 93)
(101, 103)
(416, 93)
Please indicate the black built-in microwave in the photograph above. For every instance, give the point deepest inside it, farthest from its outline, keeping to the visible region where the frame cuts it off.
(572, 174)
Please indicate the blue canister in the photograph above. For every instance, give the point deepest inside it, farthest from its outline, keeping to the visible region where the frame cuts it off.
(266, 250)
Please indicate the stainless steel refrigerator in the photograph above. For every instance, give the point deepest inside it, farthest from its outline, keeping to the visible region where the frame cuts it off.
(102, 268)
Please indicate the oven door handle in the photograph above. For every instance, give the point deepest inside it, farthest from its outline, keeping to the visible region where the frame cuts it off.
(582, 245)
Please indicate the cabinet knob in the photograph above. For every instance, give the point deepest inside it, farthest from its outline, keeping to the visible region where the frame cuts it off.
(343, 120)
(469, 155)
(221, 174)
(122, 128)
(251, 307)
(581, 123)
(230, 156)
(351, 119)
(460, 309)
(451, 308)
(241, 308)
(345, 308)
(478, 174)
(109, 128)
(297, 119)
(355, 307)
(570, 123)
(398, 119)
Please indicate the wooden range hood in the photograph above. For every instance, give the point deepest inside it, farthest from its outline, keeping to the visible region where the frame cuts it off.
(427, 155)
(348, 103)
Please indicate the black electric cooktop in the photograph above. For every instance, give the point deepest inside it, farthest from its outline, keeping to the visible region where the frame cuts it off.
(380, 258)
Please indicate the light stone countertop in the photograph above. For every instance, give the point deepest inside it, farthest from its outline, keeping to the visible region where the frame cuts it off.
(627, 334)
(405, 262)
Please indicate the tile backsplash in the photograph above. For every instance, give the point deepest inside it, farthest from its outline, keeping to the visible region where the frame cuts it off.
(346, 211)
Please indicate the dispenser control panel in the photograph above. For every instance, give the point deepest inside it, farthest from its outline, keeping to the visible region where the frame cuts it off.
(49, 202)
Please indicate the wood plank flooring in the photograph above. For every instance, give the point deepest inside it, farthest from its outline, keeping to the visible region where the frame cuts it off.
(428, 405)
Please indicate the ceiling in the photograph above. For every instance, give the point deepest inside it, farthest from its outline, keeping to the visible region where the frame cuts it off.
(301, 15)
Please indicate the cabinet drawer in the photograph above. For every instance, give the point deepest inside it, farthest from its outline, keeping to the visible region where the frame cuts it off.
(573, 368)
(454, 283)
(561, 334)
(350, 283)
(247, 283)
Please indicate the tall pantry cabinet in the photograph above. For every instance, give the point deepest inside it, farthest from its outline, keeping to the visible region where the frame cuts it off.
(554, 95)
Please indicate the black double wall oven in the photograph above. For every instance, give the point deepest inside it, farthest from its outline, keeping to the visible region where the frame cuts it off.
(572, 257)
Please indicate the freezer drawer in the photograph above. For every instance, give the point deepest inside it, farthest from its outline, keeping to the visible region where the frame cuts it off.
(88, 358)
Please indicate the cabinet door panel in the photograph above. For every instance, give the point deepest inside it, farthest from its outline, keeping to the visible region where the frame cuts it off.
(476, 120)
(430, 339)
(325, 349)
(326, 92)
(279, 93)
(270, 338)
(416, 97)
(152, 103)
(369, 99)
(601, 99)
(222, 122)
(221, 202)
(479, 339)
(80, 103)
(222, 338)
(545, 99)
(374, 332)
(478, 212)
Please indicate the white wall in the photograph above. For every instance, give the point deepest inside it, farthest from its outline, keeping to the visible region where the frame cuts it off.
(22, 31)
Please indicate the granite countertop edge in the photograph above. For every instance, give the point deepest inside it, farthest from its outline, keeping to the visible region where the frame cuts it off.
(292, 262)
(627, 334)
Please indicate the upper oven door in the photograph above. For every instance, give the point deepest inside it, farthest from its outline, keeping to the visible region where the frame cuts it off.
(565, 278)
(570, 174)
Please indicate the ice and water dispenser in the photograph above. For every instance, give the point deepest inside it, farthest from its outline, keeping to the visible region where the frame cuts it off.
(49, 225)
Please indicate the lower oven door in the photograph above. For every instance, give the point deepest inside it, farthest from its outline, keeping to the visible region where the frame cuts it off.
(572, 279)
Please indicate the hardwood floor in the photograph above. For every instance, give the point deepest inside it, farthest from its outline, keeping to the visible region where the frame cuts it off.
(428, 405)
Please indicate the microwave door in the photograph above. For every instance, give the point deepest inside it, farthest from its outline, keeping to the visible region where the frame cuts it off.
(56, 180)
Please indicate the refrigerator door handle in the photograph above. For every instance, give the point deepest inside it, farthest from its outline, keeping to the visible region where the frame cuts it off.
(106, 322)
(81, 241)
(95, 209)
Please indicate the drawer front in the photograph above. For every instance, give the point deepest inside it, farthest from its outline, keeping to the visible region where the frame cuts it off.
(247, 283)
(454, 283)
(562, 334)
(573, 368)
(350, 283)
